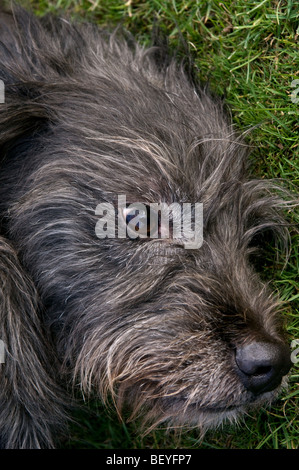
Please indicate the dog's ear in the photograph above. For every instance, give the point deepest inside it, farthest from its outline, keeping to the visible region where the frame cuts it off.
(20, 118)
(22, 110)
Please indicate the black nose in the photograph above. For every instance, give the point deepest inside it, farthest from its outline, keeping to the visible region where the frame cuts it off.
(262, 365)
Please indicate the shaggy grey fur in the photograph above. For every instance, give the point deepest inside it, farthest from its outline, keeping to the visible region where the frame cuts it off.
(89, 116)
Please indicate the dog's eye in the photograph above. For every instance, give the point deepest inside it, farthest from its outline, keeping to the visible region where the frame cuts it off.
(139, 222)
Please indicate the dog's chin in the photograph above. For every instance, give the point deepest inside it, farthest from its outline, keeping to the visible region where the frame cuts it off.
(205, 418)
(197, 415)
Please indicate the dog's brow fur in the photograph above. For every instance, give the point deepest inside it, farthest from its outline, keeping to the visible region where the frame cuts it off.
(89, 115)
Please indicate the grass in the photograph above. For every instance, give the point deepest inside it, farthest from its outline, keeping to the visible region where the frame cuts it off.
(247, 50)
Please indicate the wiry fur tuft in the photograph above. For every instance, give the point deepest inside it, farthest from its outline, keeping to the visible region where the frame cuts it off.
(88, 116)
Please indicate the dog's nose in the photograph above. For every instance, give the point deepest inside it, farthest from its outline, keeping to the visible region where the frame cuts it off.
(262, 365)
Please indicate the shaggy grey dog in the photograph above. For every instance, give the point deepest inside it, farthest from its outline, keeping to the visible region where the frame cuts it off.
(189, 337)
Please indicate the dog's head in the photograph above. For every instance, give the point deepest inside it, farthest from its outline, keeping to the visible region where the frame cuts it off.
(186, 331)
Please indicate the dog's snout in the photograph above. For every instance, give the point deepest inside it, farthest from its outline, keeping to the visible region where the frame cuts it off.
(262, 365)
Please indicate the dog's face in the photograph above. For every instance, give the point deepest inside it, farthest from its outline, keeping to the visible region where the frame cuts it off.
(190, 335)
(149, 320)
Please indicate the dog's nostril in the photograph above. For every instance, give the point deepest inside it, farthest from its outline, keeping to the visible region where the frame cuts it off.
(263, 370)
(261, 365)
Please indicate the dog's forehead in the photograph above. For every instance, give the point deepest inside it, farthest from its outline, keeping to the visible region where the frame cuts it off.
(140, 175)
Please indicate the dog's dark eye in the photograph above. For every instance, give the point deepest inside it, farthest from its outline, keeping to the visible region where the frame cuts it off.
(139, 222)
